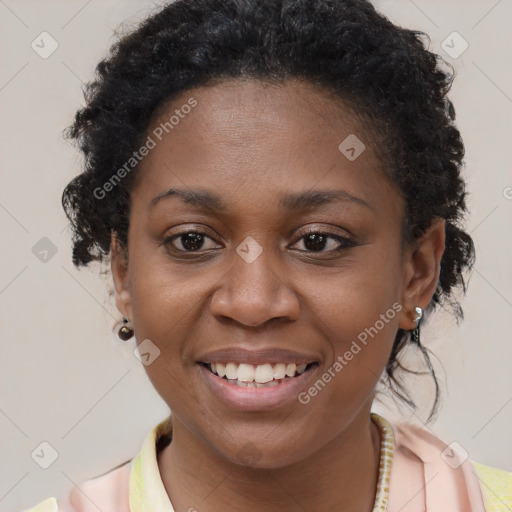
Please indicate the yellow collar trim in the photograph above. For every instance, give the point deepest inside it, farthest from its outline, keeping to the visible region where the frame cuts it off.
(147, 491)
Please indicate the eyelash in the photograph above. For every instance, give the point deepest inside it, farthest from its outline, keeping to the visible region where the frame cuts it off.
(345, 241)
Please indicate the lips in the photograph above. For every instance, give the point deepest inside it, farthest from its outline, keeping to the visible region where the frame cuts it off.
(257, 357)
(253, 380)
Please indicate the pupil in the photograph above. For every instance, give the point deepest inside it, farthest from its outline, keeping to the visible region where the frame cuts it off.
(192, 241)
(318, 242)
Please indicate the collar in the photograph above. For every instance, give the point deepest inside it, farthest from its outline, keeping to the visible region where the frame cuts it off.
(147, 491)
(416, 472)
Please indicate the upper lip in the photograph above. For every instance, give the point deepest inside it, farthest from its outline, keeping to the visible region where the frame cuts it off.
(257, 357)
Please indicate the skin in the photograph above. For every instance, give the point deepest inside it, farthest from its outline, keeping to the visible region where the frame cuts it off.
(251, 143)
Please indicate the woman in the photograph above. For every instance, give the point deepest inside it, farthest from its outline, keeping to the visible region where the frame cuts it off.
(278, 187)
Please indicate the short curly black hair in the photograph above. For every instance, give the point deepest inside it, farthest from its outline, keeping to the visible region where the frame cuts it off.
(385, 72)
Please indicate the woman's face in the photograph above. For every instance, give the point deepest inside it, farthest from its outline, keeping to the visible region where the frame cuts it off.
(251, 287)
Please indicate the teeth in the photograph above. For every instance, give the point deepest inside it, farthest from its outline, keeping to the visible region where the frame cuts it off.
(279, 371)
(263, 373)
(301, 368)
(245, 372)
(253, 384)
(256, 376)
(231, 371)
(221, 370)
(290, 370)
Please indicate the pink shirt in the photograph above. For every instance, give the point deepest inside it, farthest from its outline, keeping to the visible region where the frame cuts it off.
(419, 472)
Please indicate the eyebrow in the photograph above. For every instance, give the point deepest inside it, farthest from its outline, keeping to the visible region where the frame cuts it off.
(292, 202)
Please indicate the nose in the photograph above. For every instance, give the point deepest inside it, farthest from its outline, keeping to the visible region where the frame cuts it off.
(253, 294)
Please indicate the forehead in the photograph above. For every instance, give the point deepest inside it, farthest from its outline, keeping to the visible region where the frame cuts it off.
(245, 139)
(254, 111)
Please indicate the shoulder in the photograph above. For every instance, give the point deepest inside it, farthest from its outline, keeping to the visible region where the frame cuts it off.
(109, 491)
(451, 475)
(496, 485)
(48, 505)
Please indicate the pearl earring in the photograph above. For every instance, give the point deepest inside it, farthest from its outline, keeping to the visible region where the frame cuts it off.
(418, 314)
(415, 333)
(125, 332)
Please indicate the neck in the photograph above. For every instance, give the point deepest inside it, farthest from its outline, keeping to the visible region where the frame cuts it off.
(341, 476)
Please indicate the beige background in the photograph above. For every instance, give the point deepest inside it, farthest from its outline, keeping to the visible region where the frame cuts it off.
(65, 378)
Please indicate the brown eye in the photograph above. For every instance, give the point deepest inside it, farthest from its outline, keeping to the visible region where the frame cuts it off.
(188, 241)
(318, 241)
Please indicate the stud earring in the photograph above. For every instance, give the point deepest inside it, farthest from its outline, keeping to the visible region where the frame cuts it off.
(125, 332)
(415, 333)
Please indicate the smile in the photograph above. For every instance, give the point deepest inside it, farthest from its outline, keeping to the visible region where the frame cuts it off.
(262, 375)
(253, 387)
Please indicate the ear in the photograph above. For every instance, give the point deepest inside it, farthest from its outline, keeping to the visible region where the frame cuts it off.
(422, 267)
(119, 267)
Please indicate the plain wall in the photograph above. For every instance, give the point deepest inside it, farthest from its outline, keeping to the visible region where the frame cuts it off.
(66, 378)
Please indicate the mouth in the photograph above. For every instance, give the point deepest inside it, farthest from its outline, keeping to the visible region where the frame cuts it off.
(257, 379)
(257, 387)
(258, 376)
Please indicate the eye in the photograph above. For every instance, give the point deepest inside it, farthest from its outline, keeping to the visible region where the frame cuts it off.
(314, 241)
(188, 241)
(317, 241)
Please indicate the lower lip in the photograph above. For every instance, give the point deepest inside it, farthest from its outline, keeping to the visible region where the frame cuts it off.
(252, 399)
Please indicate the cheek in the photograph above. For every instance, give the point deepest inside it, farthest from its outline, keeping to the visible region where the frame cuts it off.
(166, 298)
(353, 297)
(168, 308)
(360, 336)
(357, 313)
